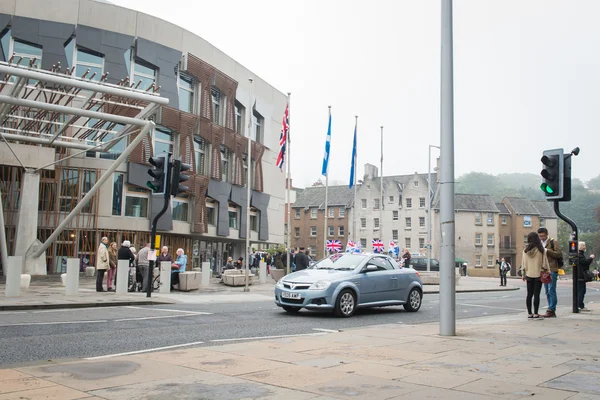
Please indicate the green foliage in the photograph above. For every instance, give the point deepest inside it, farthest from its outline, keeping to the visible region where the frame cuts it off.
(594, 183)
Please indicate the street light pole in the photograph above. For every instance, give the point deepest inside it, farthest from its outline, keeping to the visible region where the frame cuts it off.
(429, 209)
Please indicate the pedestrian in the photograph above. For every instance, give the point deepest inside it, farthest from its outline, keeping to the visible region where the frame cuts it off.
(102, 264)
(302, 260)
(125, 254)
(554, 254)
(143, 265)
(465, 269)
(406, 257)
(178, 267)
(113, 259)
(584, 265)
(504, 267)
(534, 262)
(164, 256)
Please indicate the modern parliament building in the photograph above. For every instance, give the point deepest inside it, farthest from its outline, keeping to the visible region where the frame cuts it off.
(209, 98)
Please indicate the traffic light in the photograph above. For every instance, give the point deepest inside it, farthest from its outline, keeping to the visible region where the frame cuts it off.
(177, 177)
(553, 174)
(573, 248)
(158, 172)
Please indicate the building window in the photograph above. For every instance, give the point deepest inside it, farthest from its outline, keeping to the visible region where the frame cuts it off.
(216, 105)
(117, 196)
(257, 127)
(542, 223)
(187, 89)
(27, 51)
(136, 202)
(69, 189)
(376, 204)
(407, 243)
(490, 260)
(376, 223)
(391, 199)
(313, 213)
(85, 60)
(504, 220)
(421, 243)
(490, 239)
(341, 231)
(409, 203)
(342, 212)
(525, 239)
(233, 221)
(490, 218)
(210, 215)
(363, 223)
(395, 215)
(297, 232)
(527, 221)
(416, 183)
(331, 212)
(200, 153)
(297, 216)
(363, 204)
(313, 231)
(239, 118)
(363, 243)
(422, 222)
(180, 210)
(331, 231)
(478, 239)
(163, 141)
(478, 219)
(408, 222)
(421, 202)
(395, 234)
(254, 222)
(245, 172)
(144, 74)
(478, 260)
(225, 161)
(88, 180)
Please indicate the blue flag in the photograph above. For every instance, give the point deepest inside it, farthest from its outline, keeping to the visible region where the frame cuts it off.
(353, 165)
(327, 145)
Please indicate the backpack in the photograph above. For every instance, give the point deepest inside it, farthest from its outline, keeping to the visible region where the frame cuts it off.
(559, 261)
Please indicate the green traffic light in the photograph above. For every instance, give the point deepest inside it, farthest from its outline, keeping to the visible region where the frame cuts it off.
(546, 188)
(151, 186)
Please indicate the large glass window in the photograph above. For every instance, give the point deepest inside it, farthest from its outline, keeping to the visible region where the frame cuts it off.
(200, 149)
(257, 127)
(143, 73)
(216, 105)
(187, 88)
(28, 52)
(225, 162)
(180, 210)
(69, 189)
(5, 44)
(117, 197)
(163, 141)
(239, 118)
(233, 219)
(254, 222)
(210, 215)
(86, 60)
(87, 182)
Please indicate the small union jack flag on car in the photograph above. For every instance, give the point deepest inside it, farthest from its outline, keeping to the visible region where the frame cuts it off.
(334, 246)
(378, 246)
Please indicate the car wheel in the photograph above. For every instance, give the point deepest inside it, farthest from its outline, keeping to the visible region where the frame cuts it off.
(345, 304)
(291, 310)
(415, 297)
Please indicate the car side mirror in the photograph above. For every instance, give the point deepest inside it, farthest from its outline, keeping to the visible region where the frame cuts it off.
(371, 268)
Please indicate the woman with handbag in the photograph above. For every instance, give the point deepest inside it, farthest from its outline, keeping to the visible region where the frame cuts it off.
(584, 275)
(535, 266)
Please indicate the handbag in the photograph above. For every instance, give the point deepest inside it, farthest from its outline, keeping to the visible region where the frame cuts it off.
(588, 275)
(545, 277)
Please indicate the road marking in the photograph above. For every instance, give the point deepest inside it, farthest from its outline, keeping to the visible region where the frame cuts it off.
(268, 337)
(169, 310)
(144, 351)
(12, 312)
(482, 306)
(72, 309)
(55, 323)
(159, 317)
(326, 330)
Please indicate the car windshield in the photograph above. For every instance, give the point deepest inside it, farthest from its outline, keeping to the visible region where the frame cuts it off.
(340, 261)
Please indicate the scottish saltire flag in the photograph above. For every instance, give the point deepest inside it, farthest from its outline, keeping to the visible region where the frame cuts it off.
(334, 246)
(393, 248)
(327, 146)
(353, 162)
(285, 128)
(378, 246)
(350, 246)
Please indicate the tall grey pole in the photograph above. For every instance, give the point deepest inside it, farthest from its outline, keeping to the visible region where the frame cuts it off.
(447, 285)
(429, 210)
(381, 192)
(3, 249)
(288, 184)
(354, 212)
(325, 216)
(249, 186)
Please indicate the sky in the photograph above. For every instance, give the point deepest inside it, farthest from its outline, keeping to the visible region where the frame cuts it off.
(525, 74)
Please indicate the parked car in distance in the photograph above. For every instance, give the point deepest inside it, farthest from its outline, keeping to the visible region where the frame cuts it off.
(344, 282)
(420, 264)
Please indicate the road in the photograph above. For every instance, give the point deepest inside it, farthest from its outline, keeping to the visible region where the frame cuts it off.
(34, 336)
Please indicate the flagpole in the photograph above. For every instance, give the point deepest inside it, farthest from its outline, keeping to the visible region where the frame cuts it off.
(326, 190)
(355, 174)
(288, 184)
(381, 193)
(249, 185)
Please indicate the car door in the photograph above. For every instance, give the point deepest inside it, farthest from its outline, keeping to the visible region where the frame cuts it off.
(386, 281)
(370, 282)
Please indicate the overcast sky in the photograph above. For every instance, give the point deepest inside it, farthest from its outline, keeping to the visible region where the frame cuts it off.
(526, 77)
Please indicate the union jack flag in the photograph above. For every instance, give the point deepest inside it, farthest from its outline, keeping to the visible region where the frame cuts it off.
(334, 246)
(378, 246)
(285, 129)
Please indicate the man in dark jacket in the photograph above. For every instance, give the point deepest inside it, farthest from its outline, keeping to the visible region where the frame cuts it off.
(125, 253)
(301, 260)
(584, 265)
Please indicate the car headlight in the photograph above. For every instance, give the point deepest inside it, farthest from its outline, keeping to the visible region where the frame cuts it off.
(320, 285)
(279, 283)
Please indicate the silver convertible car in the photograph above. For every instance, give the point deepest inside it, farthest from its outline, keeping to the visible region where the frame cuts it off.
(344, 282)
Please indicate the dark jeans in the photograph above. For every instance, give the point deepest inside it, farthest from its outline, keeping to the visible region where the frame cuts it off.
(580, 293)
(174, 279)
(534, 287)
(99, 279)
(503, 278)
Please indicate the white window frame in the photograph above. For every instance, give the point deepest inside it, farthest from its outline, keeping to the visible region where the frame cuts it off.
(87, 209)
(254, 215)
(38, 61)
(313, 213)
(313, 231)
(331, 231)
(342, 212)
(416, 183)
(297, 213)
(341, 231)
(225, 162)
(155, 140)
(478, 260)
(331, 212)
(182, 201)
(422, 202)
(199, 151)
(527, 218)
(135, 75)
(422, 222)
(363, 223)
(297, 232)
(395, 215)
(394, 234)
(407, 243)
(490, 236)
(478, 218)
(542, 222)
(408, 203)
(504, 220)
(478, 239)
(210, 205)
(73, 197)
(237, 217)
(216, 104)
(193, 90)
(239, 118)
(421, 243)
(408, 222)
(363, 243)
(75, 62)
(376, 204)
(490, 260)
(127, 192)
(257, 123)
(490, 219)
(363, 204)
(375, 223)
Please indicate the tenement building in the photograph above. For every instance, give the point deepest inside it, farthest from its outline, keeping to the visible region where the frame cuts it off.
(209, 101)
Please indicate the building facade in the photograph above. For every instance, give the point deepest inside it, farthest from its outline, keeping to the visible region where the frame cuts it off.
(308, 213)
(204, 124)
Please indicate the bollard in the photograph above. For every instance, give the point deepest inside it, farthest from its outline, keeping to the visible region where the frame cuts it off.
(165, 277)
(262, 272)
(72, 276)
(206, 272)
(25, 281)
(122, 276)
(13, 276)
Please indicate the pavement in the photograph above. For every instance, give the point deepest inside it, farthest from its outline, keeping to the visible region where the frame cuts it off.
(504, 357)
(48, 293)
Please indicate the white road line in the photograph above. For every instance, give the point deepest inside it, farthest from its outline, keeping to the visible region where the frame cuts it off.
(326, 330)
(169, 310)
(55, 323)
(12, 312)
(72, 309)
(482, 306)
(144, 351)
(268, 337)
(159, 317)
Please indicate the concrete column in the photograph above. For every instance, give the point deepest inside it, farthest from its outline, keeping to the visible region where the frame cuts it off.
(13, 276)
(165, 277)
(122, 276)
(72, 286)
(262, 272)
(206, 273)
(27, 225)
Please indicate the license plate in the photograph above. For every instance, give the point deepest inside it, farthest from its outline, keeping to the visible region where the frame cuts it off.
(290, 295)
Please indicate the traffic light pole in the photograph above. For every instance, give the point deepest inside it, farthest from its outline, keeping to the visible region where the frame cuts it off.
(167, 197)
(574, 260)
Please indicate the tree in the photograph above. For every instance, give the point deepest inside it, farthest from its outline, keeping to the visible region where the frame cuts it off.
(594, 183)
